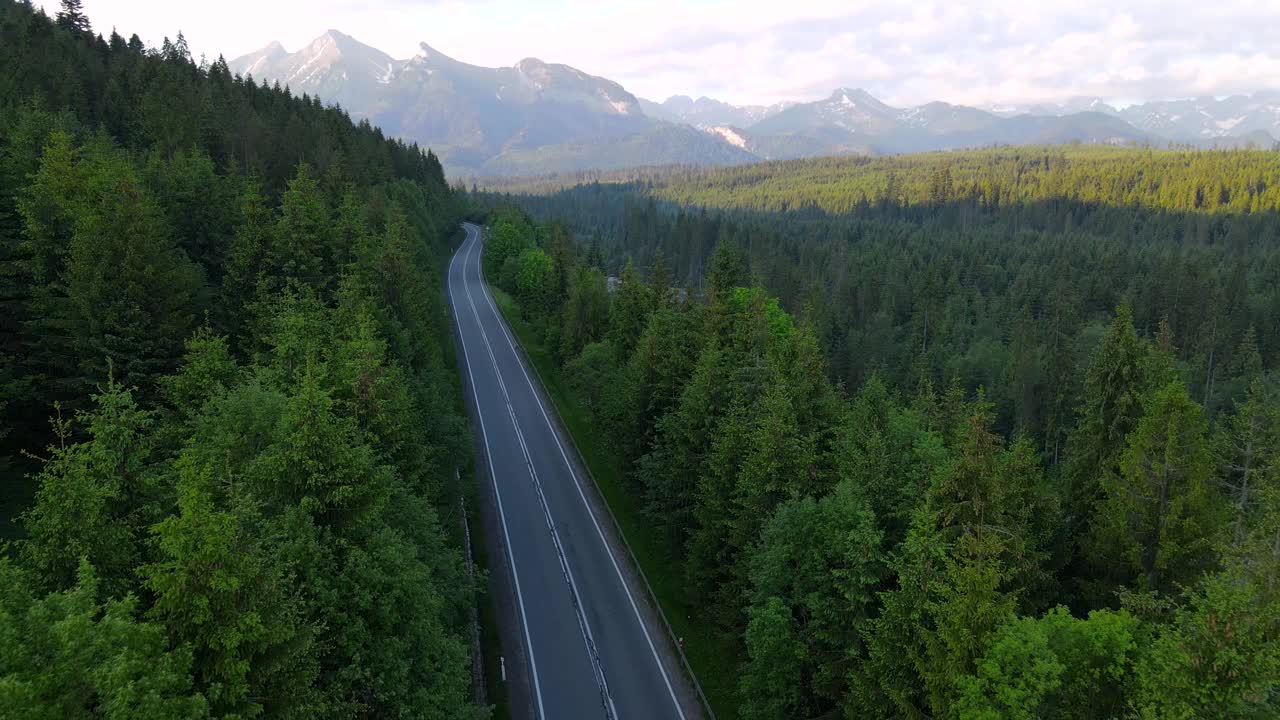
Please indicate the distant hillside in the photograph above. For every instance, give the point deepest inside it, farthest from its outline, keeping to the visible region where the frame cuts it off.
(1176, 180)
(664, 145)
(1203, 121)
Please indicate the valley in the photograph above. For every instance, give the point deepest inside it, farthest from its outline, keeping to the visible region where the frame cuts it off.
(939, 378)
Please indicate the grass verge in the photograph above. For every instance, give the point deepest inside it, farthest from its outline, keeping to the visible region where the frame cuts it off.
(712, 655)
(490, 639)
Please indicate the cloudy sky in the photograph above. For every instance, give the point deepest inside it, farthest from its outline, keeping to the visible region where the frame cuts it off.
(762, 51)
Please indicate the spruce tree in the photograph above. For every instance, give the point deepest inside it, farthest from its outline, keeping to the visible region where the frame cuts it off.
(131, 294)
(1248, 440)
(96, 498)
(779, 463)
(221, 591)
(246, 261)
(773, 687)
(71, 16)
(669, 472)
(657, 370)
(586, 312)
(297, 255)
(629, 311)
(821, 559)
(1109, 409)
(71, 654)
(1160, 517)
(980, 508)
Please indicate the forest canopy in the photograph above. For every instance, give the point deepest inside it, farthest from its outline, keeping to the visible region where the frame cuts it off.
(231, 422)
(1010, 294)
(990, 434)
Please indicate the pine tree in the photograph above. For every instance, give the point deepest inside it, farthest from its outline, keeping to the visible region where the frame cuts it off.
(629, 311)
(1248, 443)
(1160, 517)
(302, 236)
(71, 16)
(1109, 409)
(69, 654)
(586, 312)
(95, 498)
(821, 559)
(222, 592)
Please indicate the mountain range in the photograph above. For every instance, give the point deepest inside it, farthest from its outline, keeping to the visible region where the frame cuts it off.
(537, 117)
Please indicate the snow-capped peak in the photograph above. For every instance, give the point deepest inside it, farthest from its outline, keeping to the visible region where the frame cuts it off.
(729, 135)
(857, 97)
(426, 53)
(257, 62)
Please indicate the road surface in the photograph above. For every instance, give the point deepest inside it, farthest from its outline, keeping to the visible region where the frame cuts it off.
(583, 625)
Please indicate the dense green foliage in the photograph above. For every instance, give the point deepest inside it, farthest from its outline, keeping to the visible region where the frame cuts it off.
(999, 268)
(1227, 182)
(226, 299)
(1234, 182)
(1004, 460)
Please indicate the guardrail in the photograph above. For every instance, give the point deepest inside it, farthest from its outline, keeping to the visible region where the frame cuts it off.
(478, 691)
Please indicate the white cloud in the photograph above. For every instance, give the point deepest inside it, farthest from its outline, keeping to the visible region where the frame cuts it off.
(763, 51)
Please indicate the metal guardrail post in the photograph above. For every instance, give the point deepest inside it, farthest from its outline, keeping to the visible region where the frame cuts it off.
(479, 693)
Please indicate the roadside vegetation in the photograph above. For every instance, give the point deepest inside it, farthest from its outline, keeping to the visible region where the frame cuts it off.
(995, 461)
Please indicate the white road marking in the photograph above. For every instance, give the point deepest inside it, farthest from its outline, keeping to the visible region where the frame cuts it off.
(579, 611)
(515, 575)
(578, 484)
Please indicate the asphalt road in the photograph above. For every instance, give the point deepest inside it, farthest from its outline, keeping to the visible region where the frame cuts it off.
(586, 631)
